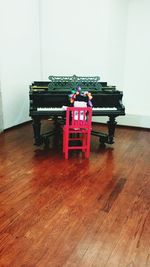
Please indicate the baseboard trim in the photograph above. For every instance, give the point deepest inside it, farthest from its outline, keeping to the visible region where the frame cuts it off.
(129, 120)
(17, 126)
(122, 126)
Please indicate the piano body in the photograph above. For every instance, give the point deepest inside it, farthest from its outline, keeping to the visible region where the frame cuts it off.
(47, 99)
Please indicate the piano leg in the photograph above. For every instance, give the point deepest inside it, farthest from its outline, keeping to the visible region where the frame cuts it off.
(111, 129)
(36, 129)
(107, 138)
(58, 122)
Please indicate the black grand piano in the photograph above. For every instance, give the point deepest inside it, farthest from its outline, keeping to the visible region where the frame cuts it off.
(47, 99)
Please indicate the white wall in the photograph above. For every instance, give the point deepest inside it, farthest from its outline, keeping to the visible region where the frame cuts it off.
(1, 112)
(117, 42)
(81, 37)
(109, 38)
(74, 37)
(135, 74)
(137, 67)
(19, 57)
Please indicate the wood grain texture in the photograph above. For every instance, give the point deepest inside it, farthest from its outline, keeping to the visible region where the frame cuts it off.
(77, 212)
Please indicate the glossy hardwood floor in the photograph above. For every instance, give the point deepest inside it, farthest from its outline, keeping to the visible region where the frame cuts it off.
(76, 212)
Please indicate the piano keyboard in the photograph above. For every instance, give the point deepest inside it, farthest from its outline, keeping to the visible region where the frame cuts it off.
(50, 109)
(62, 109)
(97, 108)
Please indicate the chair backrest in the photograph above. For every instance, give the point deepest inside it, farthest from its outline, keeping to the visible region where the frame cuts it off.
(79, 117)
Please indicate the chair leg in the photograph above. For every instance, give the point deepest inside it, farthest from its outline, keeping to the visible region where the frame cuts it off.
(87, 153)
(66, 154)
(66, 147)
(84, 142)
(66, 144)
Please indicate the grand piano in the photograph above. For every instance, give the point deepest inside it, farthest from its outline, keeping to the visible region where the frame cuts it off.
(47, 99)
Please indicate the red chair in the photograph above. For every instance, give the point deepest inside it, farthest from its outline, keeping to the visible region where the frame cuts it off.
(77, 129)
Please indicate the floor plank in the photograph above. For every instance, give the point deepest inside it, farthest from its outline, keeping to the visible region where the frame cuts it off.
(77, 212)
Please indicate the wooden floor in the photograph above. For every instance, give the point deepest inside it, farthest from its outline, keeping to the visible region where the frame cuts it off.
(76, 212)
